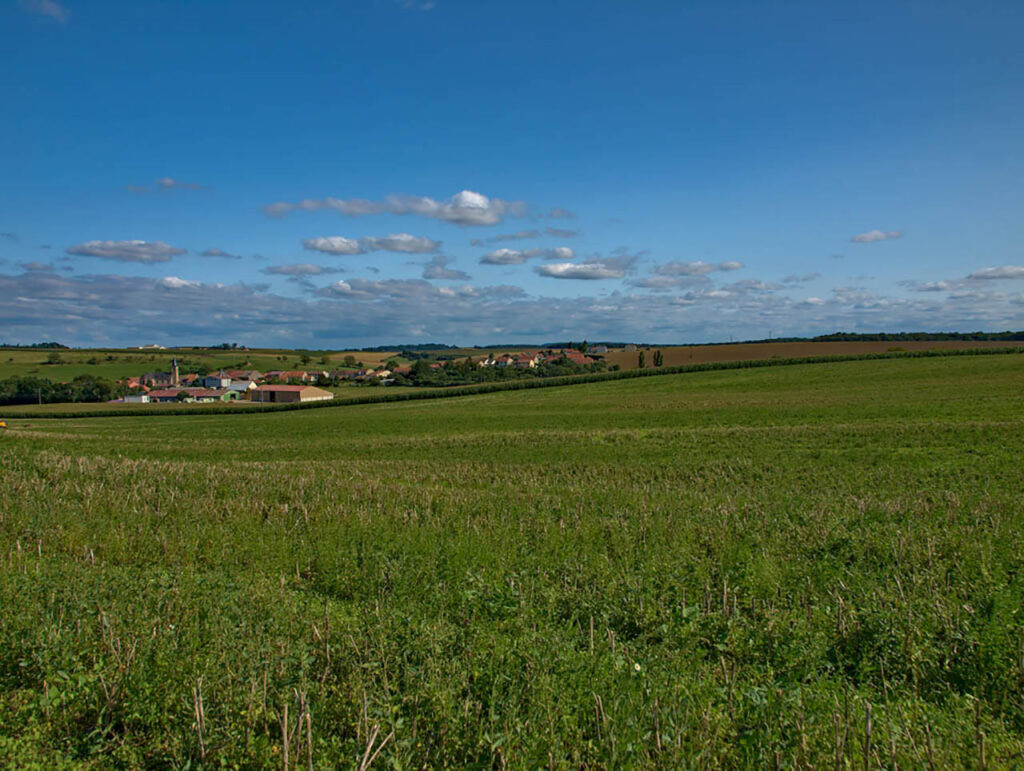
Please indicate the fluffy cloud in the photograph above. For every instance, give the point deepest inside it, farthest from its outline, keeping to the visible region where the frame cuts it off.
(667, 283)
(39, 267)
(220, 253)
(585, 271)
(127, 251)
(753, 285)
(465, 208)
(506, 256)
(875, 235)
(695, 268)
(300, 269)
(438, 268)
(122, 310)
(397, 242)
(50, 8)
(929, 286)
(334, 245)
(411, 290)
(1006, 271)
(594, 269)
(173, 282)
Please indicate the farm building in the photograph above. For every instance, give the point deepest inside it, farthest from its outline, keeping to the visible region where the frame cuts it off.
(242, 387)
(289, 393)
(217, 380)
(136, 399)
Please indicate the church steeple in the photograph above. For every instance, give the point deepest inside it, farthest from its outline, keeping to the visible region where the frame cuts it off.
(174, 371)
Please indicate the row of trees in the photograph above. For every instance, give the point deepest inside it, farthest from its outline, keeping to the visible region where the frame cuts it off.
(37, 390)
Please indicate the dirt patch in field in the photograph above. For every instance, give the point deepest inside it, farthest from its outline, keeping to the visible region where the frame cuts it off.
(752, 351)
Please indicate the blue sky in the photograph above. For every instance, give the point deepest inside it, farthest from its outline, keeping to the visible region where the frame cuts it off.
(391, 171)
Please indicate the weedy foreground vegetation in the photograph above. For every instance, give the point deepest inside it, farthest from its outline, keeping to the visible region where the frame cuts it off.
(814, 565)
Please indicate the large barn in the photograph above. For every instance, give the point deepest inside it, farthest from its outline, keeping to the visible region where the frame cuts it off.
(290, 393)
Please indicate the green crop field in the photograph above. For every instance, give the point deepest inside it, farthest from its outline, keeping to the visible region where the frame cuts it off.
(117, 364)
(817, 565)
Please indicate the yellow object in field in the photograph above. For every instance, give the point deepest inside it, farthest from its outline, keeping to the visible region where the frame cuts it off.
(3, 424)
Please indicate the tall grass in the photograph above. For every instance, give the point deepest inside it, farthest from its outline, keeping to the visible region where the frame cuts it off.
(729, 570)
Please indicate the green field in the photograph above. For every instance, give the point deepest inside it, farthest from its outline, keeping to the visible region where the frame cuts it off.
(120, 363)
(717, 569)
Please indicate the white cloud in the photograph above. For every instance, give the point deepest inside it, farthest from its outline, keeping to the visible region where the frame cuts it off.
(585, 271)
(334, 245)
(411, 291)
(173, 282)
(51, 8)
(753, 285)
(1006, 271)
(38, 267)
(506, 256)
(665, 283)
(397, 242)
(128, 251)
(220, 253)
(400, 242)
(300, 269)
(875, 235)
(695, 268)
(464, 208)
(100, 310)
(438, 269)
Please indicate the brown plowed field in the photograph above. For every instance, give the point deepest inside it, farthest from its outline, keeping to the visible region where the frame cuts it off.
(750, 351)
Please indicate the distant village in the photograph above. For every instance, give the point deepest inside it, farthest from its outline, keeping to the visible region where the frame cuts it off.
(291, 386)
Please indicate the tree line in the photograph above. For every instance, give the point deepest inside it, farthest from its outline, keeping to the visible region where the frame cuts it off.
(38, 390)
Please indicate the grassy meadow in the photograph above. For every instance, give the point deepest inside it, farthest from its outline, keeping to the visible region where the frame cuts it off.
(120, 363)
(801, 566)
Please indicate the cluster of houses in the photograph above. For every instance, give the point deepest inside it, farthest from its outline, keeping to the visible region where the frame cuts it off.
(531, 359)
(281, 386)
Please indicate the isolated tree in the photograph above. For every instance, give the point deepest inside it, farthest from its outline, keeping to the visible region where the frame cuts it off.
(305, 359)
(325, 359)
(349, 361)
(658, 360)
(54, 358)
(641, 360)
